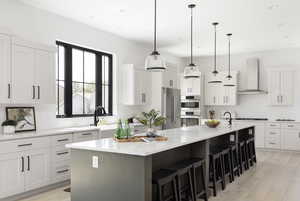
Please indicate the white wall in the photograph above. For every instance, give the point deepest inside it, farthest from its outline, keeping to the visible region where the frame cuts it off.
(257, 105)
(43, 27)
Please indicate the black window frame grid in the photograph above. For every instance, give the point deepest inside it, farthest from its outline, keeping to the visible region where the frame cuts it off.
(68, 80)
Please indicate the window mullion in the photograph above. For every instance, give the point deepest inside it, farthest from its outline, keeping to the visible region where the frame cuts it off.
(98, 80)
(68, 82)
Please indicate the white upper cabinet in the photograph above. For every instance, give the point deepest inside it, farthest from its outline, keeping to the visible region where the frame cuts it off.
(171, 78)
(219, 90)
(281, 90)
(190, 86)
(32, 73)
(44, 77)
(5, 68)
(136, 85)
(23, 89)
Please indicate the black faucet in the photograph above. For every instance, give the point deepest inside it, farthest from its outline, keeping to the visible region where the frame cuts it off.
(230, 118)
(99, 111)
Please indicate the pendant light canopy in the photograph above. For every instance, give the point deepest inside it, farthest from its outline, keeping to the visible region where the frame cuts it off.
(215, 71)
(191, 71)
(155, 62)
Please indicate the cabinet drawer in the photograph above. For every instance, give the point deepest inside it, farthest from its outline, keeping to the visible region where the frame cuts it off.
(273, 125)
(61, 154)
(273, 143)
(273, 133)
(23, 145)
(60, 140)
(290, 126)
(85, 136)
(61, 171)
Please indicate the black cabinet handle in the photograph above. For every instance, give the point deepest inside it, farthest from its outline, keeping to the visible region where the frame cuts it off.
(86, 134)
(39, 92)
(25, 145)
(62, 153)
(63, 140)
(28, 165)
(62, 171)
(8, 91)
(33, 92)
(22, 158)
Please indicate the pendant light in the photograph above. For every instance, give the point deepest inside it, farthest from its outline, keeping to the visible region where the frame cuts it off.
(191, 71)
(229, 76)
(155, 62)
(215, 71)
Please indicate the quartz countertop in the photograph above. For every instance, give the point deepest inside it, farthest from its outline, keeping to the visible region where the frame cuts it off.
(58, 131)
(176, 138)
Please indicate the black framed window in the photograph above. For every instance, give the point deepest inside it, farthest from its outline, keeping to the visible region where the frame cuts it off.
(83, 81)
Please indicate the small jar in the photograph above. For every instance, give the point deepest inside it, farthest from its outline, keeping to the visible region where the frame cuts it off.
(8, 130)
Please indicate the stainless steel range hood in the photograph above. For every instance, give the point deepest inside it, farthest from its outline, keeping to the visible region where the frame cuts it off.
(252, 78)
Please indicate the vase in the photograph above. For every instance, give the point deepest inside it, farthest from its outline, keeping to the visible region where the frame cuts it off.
(151, 132)
(9, 129)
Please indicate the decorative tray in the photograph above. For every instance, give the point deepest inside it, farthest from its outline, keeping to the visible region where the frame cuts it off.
(142, 139)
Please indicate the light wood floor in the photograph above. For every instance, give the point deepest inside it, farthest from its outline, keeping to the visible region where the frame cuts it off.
(275, 178)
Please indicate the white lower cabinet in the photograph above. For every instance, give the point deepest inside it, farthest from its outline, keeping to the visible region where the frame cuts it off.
(85, 136)
(37, 168)
(12, 174)
(24, 171)
(291, 139)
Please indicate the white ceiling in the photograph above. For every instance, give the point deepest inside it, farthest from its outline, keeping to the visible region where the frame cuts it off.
(256, 25)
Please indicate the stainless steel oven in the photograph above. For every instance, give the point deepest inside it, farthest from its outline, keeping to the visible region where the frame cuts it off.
(190, 102)
(190, 111)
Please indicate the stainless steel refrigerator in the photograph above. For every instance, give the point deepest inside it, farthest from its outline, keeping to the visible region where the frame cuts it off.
(171, 107)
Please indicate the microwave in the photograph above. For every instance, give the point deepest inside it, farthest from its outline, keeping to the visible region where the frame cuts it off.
(190, 102)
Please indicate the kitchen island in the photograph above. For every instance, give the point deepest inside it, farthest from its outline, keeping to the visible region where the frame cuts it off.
(123, 171)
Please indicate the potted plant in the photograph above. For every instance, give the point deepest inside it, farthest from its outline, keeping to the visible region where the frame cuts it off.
(151, 119)
(9, 126)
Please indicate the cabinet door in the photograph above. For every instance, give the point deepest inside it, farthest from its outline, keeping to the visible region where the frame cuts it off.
(37, 168)
(230, 95)
(23, 74)
(196, 86)
(291, 139)
(186, 86)
(274, 88)
(45, 77)
(286, 88)
(5, 68)
(11, 174)
(260, 136)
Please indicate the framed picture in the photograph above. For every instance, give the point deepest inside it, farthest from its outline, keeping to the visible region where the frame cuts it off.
(24, 116)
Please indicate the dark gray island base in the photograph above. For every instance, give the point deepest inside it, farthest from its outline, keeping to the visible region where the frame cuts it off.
(127, 176)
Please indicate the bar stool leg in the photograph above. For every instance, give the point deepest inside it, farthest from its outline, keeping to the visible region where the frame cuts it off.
(214, 177)
(203, 183)
(175, 189)
(191, 185)
(160, 196)
(222, 172)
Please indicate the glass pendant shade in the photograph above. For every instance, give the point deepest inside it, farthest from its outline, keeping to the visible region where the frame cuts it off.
(155, 62)
(191, 71)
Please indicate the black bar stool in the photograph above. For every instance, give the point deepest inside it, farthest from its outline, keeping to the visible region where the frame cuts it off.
(200, 187)
(216, 169)
(243, 156)
(235, 164)
(184, 169)
(251, 151)
(227, 163)
(161, 178)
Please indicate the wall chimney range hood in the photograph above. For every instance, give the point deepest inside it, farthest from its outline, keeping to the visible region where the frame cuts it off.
(252, 78)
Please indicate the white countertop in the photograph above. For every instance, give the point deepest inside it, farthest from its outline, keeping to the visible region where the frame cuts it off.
(176, 138)
(58, 131)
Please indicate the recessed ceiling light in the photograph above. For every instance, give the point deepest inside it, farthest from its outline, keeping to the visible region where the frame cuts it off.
(122, 10)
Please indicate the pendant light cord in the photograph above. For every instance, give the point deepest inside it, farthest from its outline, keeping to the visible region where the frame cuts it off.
(191, 35)
(155, 48)
(229, 48)
(215, 57)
